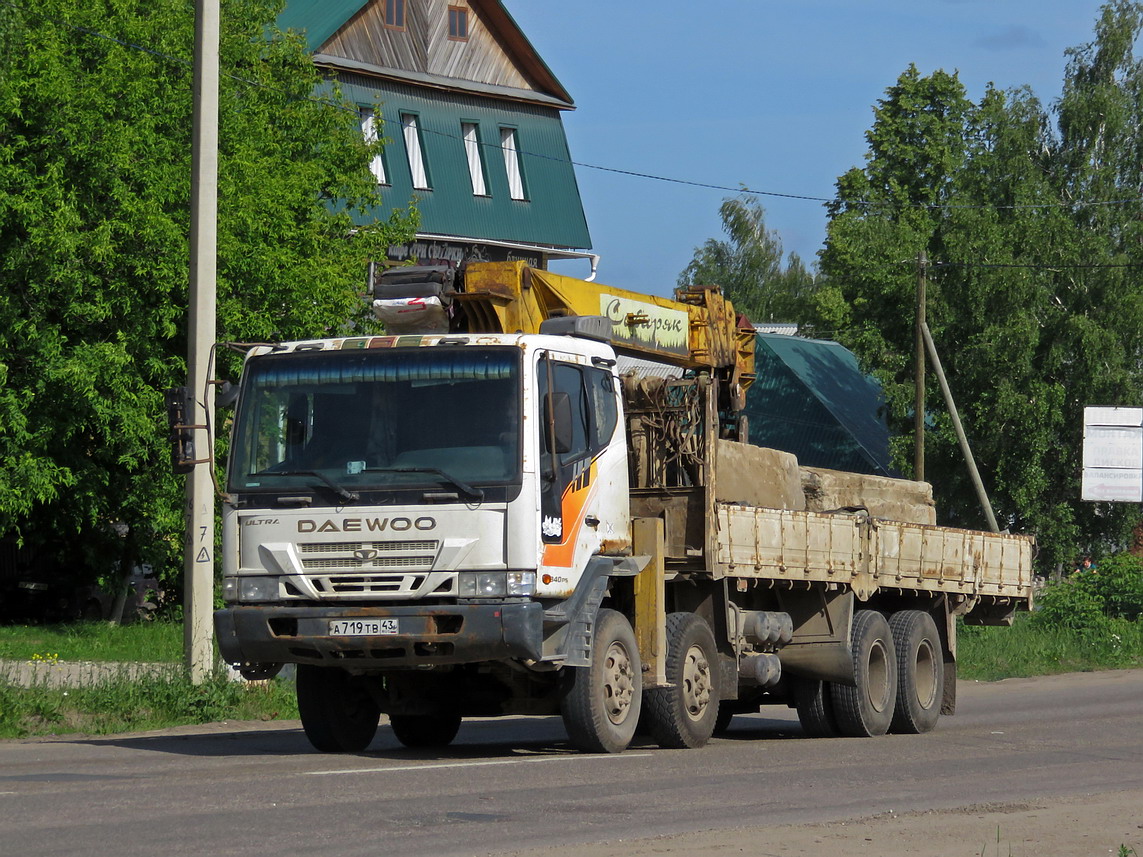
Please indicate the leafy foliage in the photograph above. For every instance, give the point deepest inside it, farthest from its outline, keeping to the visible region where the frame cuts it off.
(1031, 228)
(1101, 608)
(95, 125)
(751, 267)
(1118, 584)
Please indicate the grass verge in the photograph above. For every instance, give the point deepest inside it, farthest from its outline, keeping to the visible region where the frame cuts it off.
(1032, 647)
(148, 703)
(140, 642)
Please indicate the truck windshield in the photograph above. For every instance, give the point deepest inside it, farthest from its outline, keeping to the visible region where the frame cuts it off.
(440, 417)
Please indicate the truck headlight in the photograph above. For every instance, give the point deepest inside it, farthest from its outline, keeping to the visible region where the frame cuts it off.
(496, 584)
(254, 588)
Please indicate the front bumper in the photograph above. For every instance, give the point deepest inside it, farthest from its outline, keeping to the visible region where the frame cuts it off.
(440, 634)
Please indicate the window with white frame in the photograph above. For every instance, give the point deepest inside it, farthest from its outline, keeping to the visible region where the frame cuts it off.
(471, 134)
(369, 132)
(411, 129)
(508, 143)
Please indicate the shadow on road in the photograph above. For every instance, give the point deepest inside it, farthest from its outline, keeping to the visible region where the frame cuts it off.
(491, 739)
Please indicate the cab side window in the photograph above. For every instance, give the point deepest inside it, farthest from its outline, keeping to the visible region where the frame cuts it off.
(568, 379)
(605, 412)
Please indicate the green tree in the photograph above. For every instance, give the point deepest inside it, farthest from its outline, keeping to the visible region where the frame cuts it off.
(751, 267)
(95, 120)
(1034, 314)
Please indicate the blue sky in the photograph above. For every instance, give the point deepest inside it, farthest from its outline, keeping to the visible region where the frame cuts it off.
(772, 94)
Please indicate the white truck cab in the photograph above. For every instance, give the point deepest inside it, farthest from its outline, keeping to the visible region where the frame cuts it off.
(419, 500)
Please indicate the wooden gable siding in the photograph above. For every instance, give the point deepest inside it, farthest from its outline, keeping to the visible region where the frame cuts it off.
(424, 47)
(552, 214)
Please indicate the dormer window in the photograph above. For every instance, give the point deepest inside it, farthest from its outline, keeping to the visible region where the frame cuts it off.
(395, 14)
(458, 23)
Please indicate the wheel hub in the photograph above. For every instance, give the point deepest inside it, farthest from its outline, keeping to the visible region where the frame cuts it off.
(696, 683)
(618, 683)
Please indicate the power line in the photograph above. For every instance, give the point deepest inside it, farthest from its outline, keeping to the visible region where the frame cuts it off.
(1043, 266)
(1035, 266)
(741, 189)
(769, 193)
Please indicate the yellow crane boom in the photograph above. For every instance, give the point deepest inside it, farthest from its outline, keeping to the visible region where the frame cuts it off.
(698, 329)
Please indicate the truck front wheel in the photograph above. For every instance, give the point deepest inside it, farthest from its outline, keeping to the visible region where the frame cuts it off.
(338, 714)
(867, 709)
(685, 714)
(601, 701)
(425, 730)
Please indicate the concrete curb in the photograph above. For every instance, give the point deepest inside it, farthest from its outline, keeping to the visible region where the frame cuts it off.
(58, 674)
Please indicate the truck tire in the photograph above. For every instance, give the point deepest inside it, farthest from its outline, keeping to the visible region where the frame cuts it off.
(867, 709)
(425, 730)
(684, 715)
(601, 701)
(920, 672)
(338, 715)
(815, 708)
(722, 722)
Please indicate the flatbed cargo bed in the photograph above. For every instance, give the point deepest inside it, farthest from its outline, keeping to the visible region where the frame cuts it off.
(978, 569)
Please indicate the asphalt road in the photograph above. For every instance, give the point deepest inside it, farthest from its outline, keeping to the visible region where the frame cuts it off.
(513, 783)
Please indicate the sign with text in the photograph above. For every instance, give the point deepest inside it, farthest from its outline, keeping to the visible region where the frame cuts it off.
(1113, 455)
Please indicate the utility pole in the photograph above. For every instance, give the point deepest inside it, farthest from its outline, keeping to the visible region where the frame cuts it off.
(958, 427)
(198, 559)
(919, 374)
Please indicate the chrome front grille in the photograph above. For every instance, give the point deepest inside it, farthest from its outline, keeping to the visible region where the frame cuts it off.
(356, 556)
(424, 562)
(366, 569)
(350, 547)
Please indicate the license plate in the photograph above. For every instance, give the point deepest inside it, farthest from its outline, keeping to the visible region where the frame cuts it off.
(362, 627)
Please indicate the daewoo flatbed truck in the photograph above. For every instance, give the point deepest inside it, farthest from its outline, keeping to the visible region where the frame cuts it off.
(533, 496)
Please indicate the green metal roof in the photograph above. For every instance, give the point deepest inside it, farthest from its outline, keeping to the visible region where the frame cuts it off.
(318, 19)
(812, 399)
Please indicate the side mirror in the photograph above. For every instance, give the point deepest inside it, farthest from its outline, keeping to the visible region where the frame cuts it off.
(227, 395)
(558, 422)
(180, 411)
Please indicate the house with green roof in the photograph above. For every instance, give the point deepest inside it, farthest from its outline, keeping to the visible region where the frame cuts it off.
(473, 120)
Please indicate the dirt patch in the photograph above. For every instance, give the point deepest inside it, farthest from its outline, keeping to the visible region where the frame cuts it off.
(1089, 826)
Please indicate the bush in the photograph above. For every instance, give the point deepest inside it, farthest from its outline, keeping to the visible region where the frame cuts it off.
(1118, 581)
(1073, 603)
(1086, 600)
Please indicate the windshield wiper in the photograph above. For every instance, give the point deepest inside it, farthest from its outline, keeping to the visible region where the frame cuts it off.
(337, 489)
(464, 487)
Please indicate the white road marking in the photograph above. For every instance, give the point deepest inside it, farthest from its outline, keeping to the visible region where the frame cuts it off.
(397, 768)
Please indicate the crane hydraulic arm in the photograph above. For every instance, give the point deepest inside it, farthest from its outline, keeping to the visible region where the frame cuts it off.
(698, 329)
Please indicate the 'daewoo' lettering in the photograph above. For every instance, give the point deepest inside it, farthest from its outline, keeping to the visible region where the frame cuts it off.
(373, 525)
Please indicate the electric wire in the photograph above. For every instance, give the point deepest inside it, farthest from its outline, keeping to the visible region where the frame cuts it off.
(741, 189)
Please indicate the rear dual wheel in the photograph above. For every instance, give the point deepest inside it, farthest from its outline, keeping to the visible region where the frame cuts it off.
(812, 698)
(827, 709)
(920, 672)
(686, 713)
(866, 709)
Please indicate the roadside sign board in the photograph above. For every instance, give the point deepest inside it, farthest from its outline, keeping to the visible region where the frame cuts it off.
(1112, 455)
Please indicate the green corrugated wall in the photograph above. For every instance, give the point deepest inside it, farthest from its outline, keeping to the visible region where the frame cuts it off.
(553, 213)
